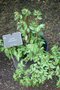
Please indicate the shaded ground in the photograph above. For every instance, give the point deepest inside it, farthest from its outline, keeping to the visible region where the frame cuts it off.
(51, 14)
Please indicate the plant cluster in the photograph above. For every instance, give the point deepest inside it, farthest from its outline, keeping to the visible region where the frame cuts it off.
(44, 68)
(30, 26)
(43, 65)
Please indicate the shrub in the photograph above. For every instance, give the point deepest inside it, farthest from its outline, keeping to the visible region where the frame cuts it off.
(30, 26)
(46, 66)
(35, 65)
(43, 67)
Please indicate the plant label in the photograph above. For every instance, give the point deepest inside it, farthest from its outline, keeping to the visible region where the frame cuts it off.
(13, 39)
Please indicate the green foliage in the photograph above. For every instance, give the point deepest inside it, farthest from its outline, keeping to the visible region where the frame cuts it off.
(28, 23)
(56, 58)
(44, 65)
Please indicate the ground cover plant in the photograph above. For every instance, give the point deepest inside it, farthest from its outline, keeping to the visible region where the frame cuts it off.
(44, 65)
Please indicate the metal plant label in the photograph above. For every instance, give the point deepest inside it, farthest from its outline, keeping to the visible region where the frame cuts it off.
(13, 39)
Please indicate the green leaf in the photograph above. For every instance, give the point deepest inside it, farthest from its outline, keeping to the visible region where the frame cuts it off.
(26, 12)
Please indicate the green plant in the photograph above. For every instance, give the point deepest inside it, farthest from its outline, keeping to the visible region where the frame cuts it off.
(44, 68)
(30, 26)
(43, 65)
(56, 61)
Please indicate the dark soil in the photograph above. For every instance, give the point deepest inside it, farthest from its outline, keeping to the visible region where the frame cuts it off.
(51, 17)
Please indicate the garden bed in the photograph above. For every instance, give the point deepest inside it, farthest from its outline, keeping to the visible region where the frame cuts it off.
(51, 15)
